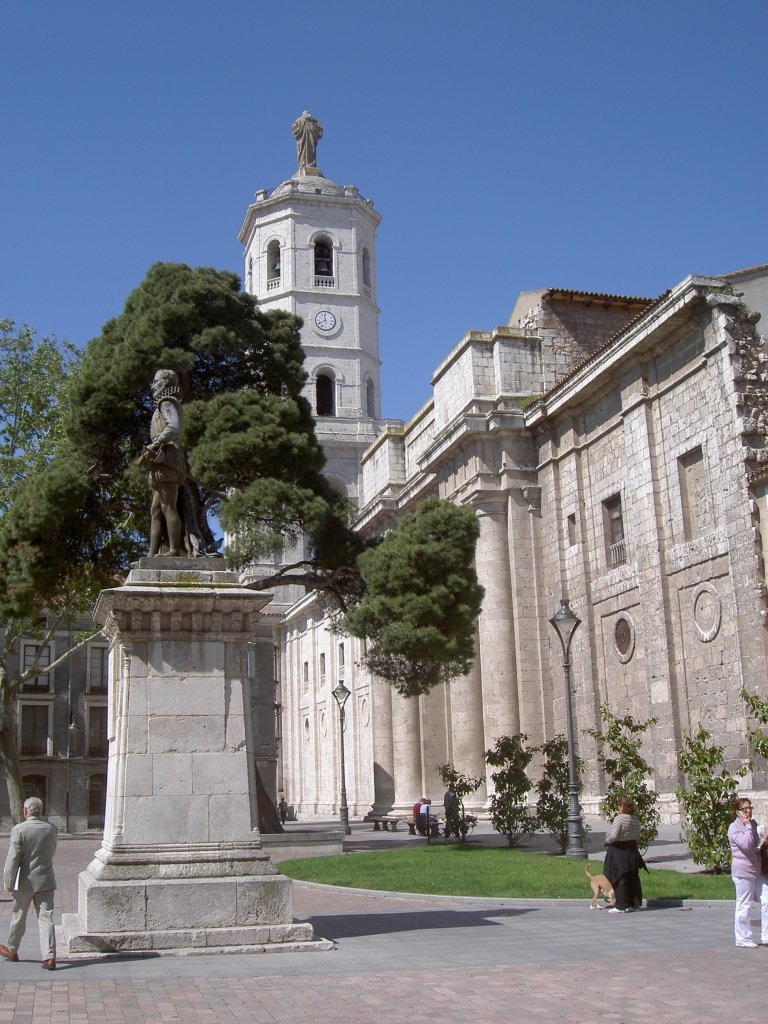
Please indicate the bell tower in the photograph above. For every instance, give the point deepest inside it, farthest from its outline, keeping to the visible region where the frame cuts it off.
(310, 249)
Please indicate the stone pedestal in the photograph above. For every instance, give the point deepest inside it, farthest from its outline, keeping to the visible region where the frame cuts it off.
(181, 866)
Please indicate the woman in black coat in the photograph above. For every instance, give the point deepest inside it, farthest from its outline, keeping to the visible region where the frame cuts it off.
(622, 858)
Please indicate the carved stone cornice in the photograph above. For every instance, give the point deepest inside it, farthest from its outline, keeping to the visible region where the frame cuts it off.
(184, 601)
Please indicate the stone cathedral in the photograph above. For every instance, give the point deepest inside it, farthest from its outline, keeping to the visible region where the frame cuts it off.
(615, 451)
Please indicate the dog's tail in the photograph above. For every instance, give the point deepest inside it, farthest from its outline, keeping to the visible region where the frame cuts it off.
(586, 871)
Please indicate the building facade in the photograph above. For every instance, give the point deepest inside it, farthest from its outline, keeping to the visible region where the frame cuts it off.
(613, 449)
(62, 727)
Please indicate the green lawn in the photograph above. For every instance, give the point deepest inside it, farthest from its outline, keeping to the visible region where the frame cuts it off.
(481, 871)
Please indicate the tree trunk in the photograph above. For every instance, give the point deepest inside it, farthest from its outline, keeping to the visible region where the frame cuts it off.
(9, 751)
(269, 820)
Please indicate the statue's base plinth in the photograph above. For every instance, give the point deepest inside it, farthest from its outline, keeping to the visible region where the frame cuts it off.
(180, 898)
(181, 867)
(279, 938)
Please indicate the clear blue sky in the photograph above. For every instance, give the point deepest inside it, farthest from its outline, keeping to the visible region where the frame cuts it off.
(603, 146)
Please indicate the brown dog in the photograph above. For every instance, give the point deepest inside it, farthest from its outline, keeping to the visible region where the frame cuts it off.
(600, 886)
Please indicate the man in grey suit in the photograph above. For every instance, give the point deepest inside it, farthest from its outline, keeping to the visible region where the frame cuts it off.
(29, 877)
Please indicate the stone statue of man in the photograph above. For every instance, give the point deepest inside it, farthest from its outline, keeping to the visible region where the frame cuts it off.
(167, 464)
(306, 130)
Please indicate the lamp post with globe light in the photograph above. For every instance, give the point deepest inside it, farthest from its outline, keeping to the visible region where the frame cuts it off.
(565, 624)
(341, 695)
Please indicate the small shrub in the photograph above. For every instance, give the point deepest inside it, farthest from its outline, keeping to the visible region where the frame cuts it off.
(626, 770)
(552, 789)
(509, 804)
(707, 800)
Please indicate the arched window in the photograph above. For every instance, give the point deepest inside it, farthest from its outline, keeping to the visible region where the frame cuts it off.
(34, 785)
(370, 399)
(323, 259)
(249, 287)
(273, 264)
(325, 399)
(367, 269)
(97, 800)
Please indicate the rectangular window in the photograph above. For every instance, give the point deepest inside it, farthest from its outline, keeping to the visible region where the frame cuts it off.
(29, 652)
(305, 676)
(572, 529)
(341, 658)
(34, 730)
(694, 492)
(97, 731)
(98, 666)
(322, 667)
(613, 525)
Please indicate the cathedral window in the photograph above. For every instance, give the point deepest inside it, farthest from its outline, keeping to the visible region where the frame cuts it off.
(249, 287)
(366, 256)
(323, 263)
(370, 399)
(325, 399)
(694, 492)
(273, 265)
(572, 536)
(613, 524)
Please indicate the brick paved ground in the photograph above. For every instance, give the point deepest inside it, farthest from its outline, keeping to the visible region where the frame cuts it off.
(414, 960)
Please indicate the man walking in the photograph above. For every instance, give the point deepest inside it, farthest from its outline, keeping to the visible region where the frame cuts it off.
(451, 805)
(29, 877)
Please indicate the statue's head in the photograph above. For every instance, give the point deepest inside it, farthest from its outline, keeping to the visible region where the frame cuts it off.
(165, 382)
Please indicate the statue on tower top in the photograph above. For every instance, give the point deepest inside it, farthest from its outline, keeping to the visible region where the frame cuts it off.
(306, 130)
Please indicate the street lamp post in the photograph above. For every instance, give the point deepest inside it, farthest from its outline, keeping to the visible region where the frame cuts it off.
(341, 696)
(565, 624)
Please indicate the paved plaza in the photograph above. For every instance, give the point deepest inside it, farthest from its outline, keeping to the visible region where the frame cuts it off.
(412, 959)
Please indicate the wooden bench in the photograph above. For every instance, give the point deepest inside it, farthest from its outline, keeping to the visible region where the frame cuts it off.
(384, 822)
(434, 826)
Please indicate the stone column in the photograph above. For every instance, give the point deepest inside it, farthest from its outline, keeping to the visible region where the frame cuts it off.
(382, 743)
(501, 713)
(406, 748)
(181, 864)
(466, 726)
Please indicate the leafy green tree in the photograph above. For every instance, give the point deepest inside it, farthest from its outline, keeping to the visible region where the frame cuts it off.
(249, 435)
(464, 785)
(75, 519)
(626, 770)
(708, 800)
(510, 814)
(757, 708)
(552, 790)
(421, 598)
(35, 375)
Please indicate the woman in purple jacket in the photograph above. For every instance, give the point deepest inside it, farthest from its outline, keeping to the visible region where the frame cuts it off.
(746, 871)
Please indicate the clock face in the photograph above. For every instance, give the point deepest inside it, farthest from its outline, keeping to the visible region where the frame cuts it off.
(325, 320)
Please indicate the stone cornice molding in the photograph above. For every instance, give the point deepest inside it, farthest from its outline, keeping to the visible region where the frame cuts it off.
(500, 422)
(277, 201)
(182, 601)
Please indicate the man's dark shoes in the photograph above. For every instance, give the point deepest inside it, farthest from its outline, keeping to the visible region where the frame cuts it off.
(49, 965)
(9, 954)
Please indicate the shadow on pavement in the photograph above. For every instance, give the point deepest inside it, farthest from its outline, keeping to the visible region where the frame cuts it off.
(338, 926)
